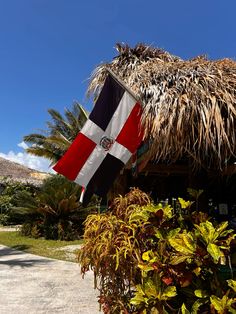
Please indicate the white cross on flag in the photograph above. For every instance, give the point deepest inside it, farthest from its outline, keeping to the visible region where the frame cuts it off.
(105, 144)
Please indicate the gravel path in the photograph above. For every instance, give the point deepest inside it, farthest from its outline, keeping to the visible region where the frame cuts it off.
(31, 284)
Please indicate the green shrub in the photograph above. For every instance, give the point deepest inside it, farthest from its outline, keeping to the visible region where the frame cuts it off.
(147, 259)
(54, 212)
(31, 229)
(4, 219)
(7, 201)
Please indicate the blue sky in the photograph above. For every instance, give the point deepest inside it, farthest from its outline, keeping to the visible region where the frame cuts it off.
(48, 49)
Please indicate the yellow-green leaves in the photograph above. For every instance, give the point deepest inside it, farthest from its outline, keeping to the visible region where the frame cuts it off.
(210, 234)
(232, 284)
(222, 305)
(151, 292)
(184, 204)
(148, 261)
(168, 293)
(185, 246)
(211, 237)
(214, 251)
(184, 309)
(173, 232)
(201, 293)
(148, 256)
(184, 243)
(194, 193)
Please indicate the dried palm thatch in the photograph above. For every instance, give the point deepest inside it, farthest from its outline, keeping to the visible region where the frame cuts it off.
(12, 171)
(189, 106)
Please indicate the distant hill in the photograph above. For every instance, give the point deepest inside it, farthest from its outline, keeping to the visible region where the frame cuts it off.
(16, 172)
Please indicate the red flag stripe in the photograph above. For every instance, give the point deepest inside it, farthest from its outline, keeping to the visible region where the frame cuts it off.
(131, 135)
(120, 116)
(75, 157)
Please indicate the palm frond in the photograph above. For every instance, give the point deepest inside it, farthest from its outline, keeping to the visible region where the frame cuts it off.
(34, 138)
(60, 133)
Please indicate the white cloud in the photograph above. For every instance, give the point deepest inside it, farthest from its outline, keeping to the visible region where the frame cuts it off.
(23, 145)
(23, 158)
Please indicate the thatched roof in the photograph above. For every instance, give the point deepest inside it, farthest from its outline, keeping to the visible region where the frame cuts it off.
(189, 106)
(12, 171)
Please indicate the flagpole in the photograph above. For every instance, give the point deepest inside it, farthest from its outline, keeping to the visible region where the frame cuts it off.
(120, 82)
(82, 195)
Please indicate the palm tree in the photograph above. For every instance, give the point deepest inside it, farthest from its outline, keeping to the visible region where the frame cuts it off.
(54, 211)
(53, 142)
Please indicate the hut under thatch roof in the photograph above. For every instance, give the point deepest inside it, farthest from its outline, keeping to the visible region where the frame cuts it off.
(189, 106)
(12, 171)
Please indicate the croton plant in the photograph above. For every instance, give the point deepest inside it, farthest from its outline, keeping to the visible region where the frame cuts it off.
(147, 258)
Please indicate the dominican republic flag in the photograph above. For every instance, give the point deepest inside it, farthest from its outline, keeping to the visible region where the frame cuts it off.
(105, 144)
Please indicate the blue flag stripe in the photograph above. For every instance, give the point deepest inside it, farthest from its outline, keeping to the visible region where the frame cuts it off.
(103, 177)
(107, 103)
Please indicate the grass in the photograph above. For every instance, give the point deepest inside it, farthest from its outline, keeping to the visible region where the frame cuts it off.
(41, 247)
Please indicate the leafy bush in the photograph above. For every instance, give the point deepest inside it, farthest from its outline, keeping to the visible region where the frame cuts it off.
(7, 201)
(54, 212)
(148, 259)
(4, 218)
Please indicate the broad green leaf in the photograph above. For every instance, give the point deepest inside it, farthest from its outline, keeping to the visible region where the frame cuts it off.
(178, 259)
(183, 243)
(231, 310)
(146, 256)
(150, 288)
(197, 304)
(197, 271)
(173, 232)
(200, 293)
(184, 204)
(145, 268)
(137, 299)
(169, 292)
(222, 304)
(232, 284)
(214, 251)
(149, 257)
(184, 309)
(217, 303)
(138, 216)
(158, 235)
(222, 227)
(168, 211)
(207, 231)
(194, 193)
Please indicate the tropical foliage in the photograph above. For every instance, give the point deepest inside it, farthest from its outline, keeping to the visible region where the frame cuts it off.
(149, 259)
(54, 212)
(60, 133)
(7, 200)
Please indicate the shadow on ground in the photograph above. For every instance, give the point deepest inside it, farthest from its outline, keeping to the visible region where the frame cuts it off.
(7, 257)
(23, 263)
(14, 250)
